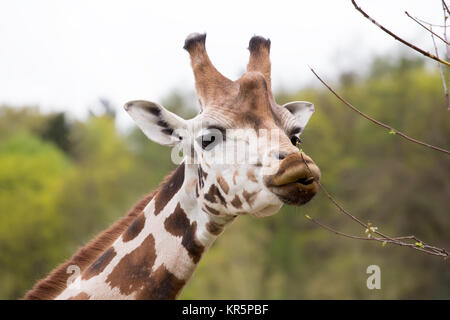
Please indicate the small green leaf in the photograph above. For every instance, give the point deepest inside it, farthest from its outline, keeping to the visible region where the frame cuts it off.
(419, 244)
(299, 146)
(392, 132)
(384, 243)
(307, 217)
(370, 230)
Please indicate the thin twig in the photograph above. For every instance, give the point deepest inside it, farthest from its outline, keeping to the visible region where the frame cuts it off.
(443, 253)
(425, 53)
(445, 6)
(428, 29)
(447, 50)
(336, 231)
(441, 71)
(418, 245)
(432, 24)
(392, 130)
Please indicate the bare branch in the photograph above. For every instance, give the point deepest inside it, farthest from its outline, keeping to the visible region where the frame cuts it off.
(428, 29)
(426, 249)
(432, 24)
(418, 245)
(392, 130)
(425, 53)
(441, 71)
(447, 50)
(445, 7)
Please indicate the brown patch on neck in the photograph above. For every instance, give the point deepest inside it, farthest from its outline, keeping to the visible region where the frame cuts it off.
(179, 225)
(250, 197)
(222, 183)
(214, 192)
(135, 228)
(192, 245)
(169, 189)
(214, 228)
(80, 296)
(134, 269)
(162, 285)
(100, 264)
(211, 210)
(236, 202)
(51, 286)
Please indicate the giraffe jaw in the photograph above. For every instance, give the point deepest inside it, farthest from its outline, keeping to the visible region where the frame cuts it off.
(268, 210)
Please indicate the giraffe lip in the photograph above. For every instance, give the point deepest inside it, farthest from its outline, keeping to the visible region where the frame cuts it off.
(294, 173)
(296, 193)
(303, 184)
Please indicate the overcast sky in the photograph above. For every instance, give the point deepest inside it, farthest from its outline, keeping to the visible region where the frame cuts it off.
(64, 55)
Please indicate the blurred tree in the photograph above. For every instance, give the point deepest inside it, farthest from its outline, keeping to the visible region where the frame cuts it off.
(53, 127)
(31, 239)
(97, 190)
(102, 108)
(57, 130)
(13, 120)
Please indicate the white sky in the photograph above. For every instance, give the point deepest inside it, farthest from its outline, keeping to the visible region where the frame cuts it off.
(64, 55)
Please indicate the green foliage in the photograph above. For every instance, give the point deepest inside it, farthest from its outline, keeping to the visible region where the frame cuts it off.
(57, 131)
(13, 120)
(61, 183)
(31, 176)
(97, 189)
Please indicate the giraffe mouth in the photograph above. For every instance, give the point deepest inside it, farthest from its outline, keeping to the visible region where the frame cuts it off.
(305, 181)
(294, 183)
(296, 193)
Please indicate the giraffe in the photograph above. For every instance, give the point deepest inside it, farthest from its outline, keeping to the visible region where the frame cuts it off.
(153, 251)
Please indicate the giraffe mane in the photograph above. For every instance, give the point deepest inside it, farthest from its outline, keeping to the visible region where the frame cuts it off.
(51, 286)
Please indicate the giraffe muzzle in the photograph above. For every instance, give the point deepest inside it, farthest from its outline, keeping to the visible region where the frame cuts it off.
(296, 180)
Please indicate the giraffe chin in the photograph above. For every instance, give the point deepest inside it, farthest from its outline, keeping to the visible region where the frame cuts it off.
(270, 210)
(295, 194)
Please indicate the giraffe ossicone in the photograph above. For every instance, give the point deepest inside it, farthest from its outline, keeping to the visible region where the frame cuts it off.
(239, 157)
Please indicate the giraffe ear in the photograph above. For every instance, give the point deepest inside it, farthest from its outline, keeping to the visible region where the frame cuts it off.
(157, 123)
(302, 111)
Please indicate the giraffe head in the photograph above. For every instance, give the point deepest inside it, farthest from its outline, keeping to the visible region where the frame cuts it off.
(240, 151)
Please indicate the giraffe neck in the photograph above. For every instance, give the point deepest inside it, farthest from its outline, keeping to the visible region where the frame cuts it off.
(156, 256)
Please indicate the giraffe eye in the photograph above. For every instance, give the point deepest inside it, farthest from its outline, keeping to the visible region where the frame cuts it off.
(295, 140)
(208, 141)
